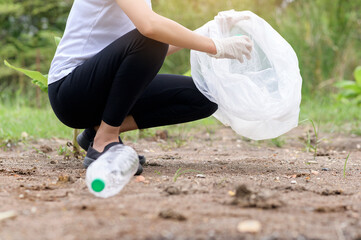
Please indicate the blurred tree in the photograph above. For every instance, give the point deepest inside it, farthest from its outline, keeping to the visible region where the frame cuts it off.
(27, 28)
(326, 35)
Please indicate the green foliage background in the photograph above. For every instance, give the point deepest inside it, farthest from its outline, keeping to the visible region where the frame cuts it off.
(27, 28)
(326, 35)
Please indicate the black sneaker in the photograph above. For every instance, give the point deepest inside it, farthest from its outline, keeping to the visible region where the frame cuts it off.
(93, 155)
(87, 136)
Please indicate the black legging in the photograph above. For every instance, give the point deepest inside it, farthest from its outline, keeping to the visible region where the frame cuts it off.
(122, 80)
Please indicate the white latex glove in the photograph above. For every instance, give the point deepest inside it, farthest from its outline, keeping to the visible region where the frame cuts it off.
(233, 48)
(227, 23)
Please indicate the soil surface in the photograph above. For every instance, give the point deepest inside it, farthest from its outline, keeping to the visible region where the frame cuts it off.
(233, 189)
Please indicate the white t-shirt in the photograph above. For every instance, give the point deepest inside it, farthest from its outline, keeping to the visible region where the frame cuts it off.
(91, 26)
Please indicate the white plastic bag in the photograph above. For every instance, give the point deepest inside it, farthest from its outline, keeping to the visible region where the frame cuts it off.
(261, 97)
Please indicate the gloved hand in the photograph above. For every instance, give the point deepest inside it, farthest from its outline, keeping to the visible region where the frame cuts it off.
(233, 48)
(227, 23)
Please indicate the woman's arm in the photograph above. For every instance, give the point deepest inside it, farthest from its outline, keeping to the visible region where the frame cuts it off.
(162, 29)
(173, 49)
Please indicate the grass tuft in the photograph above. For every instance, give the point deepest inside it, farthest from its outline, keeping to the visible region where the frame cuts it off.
(180, 172)
(344, 167)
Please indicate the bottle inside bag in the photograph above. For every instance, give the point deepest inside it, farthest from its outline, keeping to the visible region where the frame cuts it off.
(259, 97)
(259, 68)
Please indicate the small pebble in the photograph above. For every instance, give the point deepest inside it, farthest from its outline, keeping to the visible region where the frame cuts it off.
(7, 215)
(165, 178)
(171, 190)
(294, 182)
(33, 210)
(231, 193)
(200, 176)
(314, 172)
(249, 226)
(171, 214)
(140, 178)
(325, 169)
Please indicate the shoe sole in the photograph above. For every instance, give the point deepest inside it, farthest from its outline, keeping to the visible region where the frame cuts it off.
(87, 161)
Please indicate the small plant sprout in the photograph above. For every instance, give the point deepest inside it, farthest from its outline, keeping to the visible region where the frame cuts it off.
(180, 172)
(64, 151)
(344, 167)
(180, 142)
(278, 142)
(38, 151)
(312, 145)
(317, 141)
(222, 182)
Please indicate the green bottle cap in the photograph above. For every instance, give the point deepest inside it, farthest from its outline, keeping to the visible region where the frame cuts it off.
(98, 185)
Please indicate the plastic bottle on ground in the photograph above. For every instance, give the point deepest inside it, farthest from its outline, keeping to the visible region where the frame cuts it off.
(107, 176)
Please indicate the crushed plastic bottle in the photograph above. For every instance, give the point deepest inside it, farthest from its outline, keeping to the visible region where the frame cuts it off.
(107, 176)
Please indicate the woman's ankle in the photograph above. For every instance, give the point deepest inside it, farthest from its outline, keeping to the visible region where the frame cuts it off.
(99, 143)
(106, 134)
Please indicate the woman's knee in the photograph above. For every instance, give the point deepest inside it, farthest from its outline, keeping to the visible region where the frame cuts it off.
(153, 47)
(203, 106)
(134, 43)
(209, 108)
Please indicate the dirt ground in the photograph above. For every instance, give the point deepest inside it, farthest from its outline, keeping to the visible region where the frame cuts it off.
(235, 189)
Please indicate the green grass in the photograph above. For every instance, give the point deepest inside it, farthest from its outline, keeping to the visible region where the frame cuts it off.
(331, 115)
(181, 172)
(179, 133)
(37, 123)
(309, 145)
(278, 142)
(344, 167)
(42, 123)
